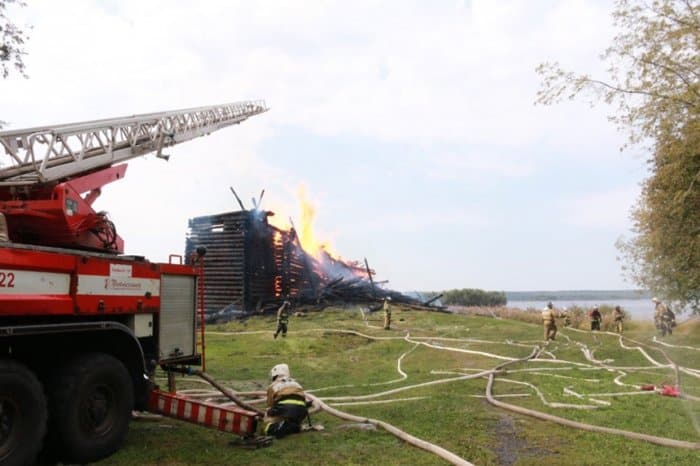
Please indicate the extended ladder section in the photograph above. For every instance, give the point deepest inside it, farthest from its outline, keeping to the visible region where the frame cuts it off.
(52, 153)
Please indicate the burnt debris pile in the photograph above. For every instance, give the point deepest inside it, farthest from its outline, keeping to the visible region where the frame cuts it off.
(252, 266)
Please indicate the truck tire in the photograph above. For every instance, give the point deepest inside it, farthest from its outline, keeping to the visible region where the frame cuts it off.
(23, 414)
(90, 405)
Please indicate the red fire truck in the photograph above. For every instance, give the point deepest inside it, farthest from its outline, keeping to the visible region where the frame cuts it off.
(82, 326)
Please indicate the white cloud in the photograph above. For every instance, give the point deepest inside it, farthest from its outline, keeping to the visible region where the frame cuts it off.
(394, 222)
(420, 74)
(479, 165)
(397, 71)
(610, 209)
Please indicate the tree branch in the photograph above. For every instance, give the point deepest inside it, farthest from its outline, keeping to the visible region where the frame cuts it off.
(671, 70)
(640, 92)
(672, 18)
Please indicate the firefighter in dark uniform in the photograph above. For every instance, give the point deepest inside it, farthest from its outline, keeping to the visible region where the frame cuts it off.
(595, 318)
(669, 321)
(286, 403)
(664, 318)
(387, 313)
(282, 318)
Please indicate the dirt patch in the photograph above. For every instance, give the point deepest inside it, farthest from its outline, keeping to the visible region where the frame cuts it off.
(510, 447)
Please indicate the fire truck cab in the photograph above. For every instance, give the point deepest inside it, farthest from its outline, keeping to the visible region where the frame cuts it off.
(82, 326)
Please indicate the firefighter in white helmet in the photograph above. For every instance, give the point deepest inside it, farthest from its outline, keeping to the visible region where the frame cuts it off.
(286, 403)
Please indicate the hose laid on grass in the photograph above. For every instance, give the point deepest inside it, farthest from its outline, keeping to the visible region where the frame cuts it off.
(430, 447)
(666, 442)
(483, 373)
(408, 438)
(659, 342)
(229, 394)
(454, 459)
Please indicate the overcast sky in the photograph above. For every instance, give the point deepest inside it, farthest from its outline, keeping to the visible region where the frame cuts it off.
(411, 125)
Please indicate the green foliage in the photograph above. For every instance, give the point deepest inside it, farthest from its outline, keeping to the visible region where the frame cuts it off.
(654, 79)
(665, 253)
(12, 40)
(474, 297)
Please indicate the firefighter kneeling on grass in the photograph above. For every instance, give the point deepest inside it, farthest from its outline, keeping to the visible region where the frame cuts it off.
(286, 403)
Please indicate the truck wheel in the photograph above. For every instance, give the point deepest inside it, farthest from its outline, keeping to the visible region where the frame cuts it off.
(22, 414)
(90, 405)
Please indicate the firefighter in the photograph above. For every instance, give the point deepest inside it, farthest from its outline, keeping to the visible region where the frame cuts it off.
(660, 310)
(669, 321)
(286, 403)
(618, 317)
(595, 318)
(282, 318)
(567, 317)
(550, 326)
(387, 313)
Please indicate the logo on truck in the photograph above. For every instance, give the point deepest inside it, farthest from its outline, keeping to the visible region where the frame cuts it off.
(114, 284)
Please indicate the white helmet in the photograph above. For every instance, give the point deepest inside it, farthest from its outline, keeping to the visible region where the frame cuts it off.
(655, 299)
(280, 370)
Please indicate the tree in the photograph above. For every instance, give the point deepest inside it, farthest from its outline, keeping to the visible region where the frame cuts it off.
(654, 85)
(12, 40)
(474, 297)
(665, 253)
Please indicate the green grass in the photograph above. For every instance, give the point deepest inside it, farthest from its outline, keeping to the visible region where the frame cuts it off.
(452, 415)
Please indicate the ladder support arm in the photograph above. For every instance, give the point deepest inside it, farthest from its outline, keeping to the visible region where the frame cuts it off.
(53, 153)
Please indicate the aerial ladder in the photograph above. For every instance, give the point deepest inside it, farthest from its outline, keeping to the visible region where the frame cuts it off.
(83, 327)
(53, 174)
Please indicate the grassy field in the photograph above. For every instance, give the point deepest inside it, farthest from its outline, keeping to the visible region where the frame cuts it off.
(453, 415)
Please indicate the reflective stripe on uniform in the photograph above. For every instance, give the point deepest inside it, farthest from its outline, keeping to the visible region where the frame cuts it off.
(292, 401)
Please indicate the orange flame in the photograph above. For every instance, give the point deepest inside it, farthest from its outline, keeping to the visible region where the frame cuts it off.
(279, 221)
(305, 230)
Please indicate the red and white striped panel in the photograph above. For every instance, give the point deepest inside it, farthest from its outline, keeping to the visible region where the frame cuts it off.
(224, 418)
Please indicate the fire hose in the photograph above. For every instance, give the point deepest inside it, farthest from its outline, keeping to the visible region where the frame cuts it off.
(225, 391)
(430, 447)
(667, 442)
(319, 405)
(408, 438)
(454, 459)
(228, 393)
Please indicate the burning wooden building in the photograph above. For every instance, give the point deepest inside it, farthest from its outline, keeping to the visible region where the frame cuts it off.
(251, 265)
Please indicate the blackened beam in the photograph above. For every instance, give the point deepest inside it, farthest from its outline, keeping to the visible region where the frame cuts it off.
(427, 303)
(237, 198)
(369, 275)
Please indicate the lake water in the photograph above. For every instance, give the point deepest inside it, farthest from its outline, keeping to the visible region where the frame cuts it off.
(638, 309)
